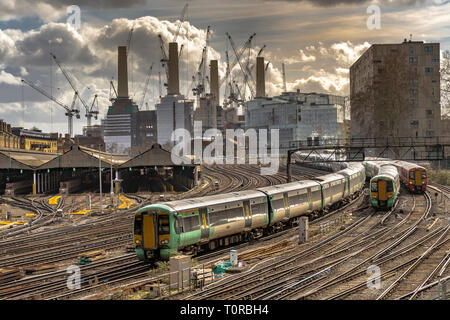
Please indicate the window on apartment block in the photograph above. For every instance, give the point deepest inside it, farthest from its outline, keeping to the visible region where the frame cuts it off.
(411, 51)
(428, 69)
(412, 59)
(428, 49)
(413, 92)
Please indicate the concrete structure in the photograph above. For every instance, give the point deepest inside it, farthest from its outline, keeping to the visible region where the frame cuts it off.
(214, 82)
(298, 116)
(120, 124)
(303, 228)
(206, 112)
(180, 269)
(395, 91)
(122, 67)
(260, 78)
(173, 85)
(173, 112)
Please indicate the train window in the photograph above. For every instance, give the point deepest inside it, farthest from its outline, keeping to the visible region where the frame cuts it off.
(163, 224)
(424, 175)
(389, 186)
(218, 218)
(374, 187)
(191, 223)
(138, 225)
(179, 225)
(235, 214)
(411, 174)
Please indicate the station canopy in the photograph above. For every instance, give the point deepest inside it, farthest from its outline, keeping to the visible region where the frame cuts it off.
(24, 159)
(81, 157)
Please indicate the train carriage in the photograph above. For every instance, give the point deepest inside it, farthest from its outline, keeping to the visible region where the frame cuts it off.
(356, 177)
(384, 187)
(333, 188)
(413, 176)
(164, 228)
(292, 200)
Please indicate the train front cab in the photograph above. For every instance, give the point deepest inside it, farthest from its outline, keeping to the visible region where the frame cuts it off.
(417, 180)
(382, 192)
(151, 234)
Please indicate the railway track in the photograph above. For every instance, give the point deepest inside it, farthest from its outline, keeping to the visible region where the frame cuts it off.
(337, 261)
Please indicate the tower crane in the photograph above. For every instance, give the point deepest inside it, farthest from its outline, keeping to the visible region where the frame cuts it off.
(111, 85)
(238, 55)
(90, 111)
(70, 111)
(146, 84)
(164, 59)
(201, 73)
(284, 77)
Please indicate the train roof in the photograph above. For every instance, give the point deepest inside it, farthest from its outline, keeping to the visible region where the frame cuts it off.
(407, 165)
(387, 170)
(187, 204)
(288, 187)
(329, 177)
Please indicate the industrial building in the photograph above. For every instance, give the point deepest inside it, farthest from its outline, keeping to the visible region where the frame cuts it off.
(35, 139)
(92, 138)
(296, 115)
(174, 111)
(395, 91)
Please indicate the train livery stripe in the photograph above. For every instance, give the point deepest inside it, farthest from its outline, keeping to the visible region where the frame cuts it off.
(149, 236)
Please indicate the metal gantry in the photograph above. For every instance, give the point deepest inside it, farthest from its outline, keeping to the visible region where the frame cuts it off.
(358, 149)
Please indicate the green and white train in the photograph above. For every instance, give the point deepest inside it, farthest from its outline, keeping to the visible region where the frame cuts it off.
(206, 223)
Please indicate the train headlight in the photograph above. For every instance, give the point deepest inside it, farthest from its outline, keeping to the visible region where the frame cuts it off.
(138, 241)
(165, 241)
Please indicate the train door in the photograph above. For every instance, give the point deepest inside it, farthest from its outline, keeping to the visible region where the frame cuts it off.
(286, 205)
(150, 232)
(204, 223)
(418, 178)
(248, 214)
(382, 195)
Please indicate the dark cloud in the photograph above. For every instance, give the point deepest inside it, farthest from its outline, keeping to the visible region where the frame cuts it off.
(332, 3)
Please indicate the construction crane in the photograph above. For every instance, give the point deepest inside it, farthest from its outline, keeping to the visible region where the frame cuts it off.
(201, 73)
(164, 59)
(183, 13)
(111, 85)
(90, 111)
(70, 111)
(284, 77)
(238, 55)
(146, 84)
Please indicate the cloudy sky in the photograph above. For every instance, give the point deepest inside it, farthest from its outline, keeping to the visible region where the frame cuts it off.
(317, 40)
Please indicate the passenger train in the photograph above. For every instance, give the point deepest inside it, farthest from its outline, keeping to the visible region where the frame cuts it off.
(205, 223)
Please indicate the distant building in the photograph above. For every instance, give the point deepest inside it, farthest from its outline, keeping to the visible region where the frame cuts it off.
(7, 138)
(92, 138)
(298, 116)
(206, 112)
(35, 139)
(147, 129)
(395, 91)
(173, 112)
